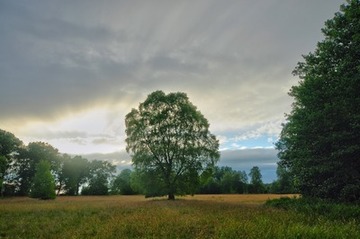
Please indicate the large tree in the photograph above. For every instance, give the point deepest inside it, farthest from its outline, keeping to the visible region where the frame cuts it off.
(100, 174)
(170, 144)
(9, 148)
(319, 143)
(74, 173)
(29, 157)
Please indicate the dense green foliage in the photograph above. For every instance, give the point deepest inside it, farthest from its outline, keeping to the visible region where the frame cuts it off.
(9, 146)
(43, 184)
(256, 183)
(224, 180)
(99, 174)
(75, 172)
(215, 180)
(317, 207)
(18, 168)
(284, 182)
(170, 144)
(28, 159)
(75, 175)
(319, 144)
(122, 183)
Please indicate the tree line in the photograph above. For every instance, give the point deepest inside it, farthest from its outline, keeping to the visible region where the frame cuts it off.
(22, 166)
(174, 153)
(29, 170)
(220, 180)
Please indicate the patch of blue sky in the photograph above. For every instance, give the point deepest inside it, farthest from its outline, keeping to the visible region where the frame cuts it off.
(234, 143)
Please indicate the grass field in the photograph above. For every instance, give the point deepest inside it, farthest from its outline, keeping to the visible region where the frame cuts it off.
(202, 216)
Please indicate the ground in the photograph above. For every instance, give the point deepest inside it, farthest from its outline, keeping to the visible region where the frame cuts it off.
(201, 216)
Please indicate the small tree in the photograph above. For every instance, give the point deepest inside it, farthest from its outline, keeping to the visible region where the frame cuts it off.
(43, 185)
(170, 144)
(256, 183)
(122, 183)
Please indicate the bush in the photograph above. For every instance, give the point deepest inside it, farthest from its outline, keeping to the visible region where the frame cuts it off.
(317, 207)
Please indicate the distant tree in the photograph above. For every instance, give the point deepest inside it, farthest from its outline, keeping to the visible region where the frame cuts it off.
(210, 181)
(319, 143)
(122, 183)
(43, 184)
(9, 148)
(224, 180)
(75, 172)
(29, 157)
(170, 144)
(234, 182)
(98, 185)
(100, 174)
(60, 179)
(285, 181)
(256, 183)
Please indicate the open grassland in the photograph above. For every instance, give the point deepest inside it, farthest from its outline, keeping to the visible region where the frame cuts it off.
(202, 216)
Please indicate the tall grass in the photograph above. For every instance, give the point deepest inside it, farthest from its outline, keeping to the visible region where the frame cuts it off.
(318, 208)
(225, 216)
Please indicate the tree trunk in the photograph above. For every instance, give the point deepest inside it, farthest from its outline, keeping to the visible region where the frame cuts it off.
(1, 188)
(171, 196)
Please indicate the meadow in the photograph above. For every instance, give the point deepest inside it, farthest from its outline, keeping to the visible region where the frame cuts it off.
(200, 216)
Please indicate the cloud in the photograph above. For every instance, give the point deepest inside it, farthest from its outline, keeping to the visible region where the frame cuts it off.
(49, 134)
(249, 157)
(119, 158)
(245, 159)
(242, 160)
(95, 60)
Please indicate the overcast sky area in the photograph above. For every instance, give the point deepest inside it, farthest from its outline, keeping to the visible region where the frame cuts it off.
(71, 70)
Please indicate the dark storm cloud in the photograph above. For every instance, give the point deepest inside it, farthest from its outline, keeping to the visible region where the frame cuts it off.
(49, 64)
(245, 159)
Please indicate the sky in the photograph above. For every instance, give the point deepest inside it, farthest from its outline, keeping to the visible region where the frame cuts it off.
(71, 70)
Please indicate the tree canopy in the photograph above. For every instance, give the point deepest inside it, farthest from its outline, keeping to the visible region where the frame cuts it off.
(99, 174)
(43, 184)
(122, 183)
(319, 143)
(170, 144)
(19, 167)
(29, 157)
(9, 147)
(256, 183)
